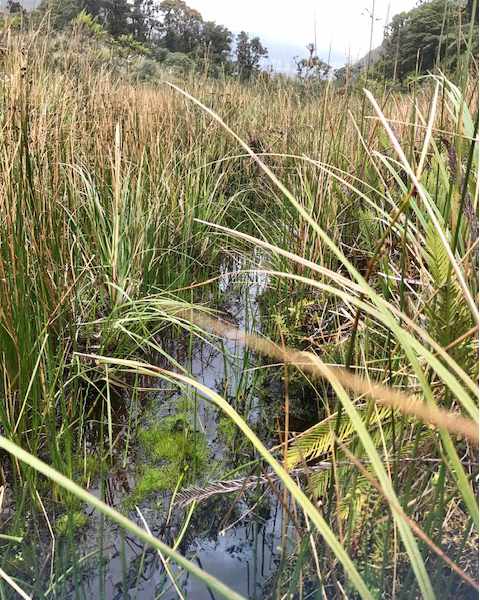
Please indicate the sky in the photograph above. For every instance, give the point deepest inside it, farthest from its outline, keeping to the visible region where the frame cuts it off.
(287, 26)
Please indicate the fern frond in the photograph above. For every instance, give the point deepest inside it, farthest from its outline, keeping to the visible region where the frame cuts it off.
(229, 486)
(448, 314)
(437, 258)
(319, 439)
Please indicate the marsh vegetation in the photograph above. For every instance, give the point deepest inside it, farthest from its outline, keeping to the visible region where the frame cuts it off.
(238, 332)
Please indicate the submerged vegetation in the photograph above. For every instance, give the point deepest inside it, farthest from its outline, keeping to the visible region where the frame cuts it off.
(180, 452)
(352, 408)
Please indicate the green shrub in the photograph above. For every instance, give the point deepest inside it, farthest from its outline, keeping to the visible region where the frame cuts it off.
(177, 61)
(87, 24)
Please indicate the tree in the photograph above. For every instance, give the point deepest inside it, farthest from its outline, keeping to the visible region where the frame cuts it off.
(144, 19)
(312, 68)
(61, 11)
(249, 53)
(182, 30)
(418, 40)
(114, 15)
(216, 42)
(169, 27)
(15, 7)
(180, 26)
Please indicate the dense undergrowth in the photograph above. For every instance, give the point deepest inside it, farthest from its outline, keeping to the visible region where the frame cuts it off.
(112, 196)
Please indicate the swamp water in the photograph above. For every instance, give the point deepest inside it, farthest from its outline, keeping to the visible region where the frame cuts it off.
(235, 537)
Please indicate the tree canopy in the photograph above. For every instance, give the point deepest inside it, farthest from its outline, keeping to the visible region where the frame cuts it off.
(434, 33)
(167, 27)
(249, 53)
(426, 36)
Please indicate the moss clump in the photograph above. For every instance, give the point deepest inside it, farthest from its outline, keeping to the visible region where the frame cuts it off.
(70, 522)
(172, 440)
(86, 468)
(228, 431)
(175, 450)
(153, 479)
(159, 444)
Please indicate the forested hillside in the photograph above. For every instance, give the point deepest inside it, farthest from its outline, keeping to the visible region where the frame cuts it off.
(434, 34)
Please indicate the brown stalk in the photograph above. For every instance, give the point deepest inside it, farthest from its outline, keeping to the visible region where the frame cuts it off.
(310, 363)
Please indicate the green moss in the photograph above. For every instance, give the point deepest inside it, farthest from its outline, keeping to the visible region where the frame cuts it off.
(160, 442)
(87, 467)
(228, 430)
(171, 450)
(153, 479)
(173, 440)
(72, 521)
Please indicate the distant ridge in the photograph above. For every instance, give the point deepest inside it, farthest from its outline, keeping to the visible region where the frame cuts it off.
(370, 57)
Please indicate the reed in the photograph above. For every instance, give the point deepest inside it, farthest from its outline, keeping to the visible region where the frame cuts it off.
(121, 202)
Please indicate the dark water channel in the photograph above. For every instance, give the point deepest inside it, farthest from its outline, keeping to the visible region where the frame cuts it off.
(234, 537)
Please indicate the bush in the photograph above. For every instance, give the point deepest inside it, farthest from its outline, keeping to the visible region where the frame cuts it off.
(146, 70)
(129, 42)
(177, 61)
(87, 24)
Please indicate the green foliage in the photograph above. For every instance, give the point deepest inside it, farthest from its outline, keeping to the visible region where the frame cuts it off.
(319, 440)
(173, 452)
(181, 26)
(422, 38)
(88, 24)
(62, 12)
(184, 32)
(115, 16)
(153, 480)
(170, 31)
(147, 70)
(249, 53)
(215, 44)
(448, 314)
(129, 42)
(177, 61)
(13, 22)
(228, 431)
(70, 523)
(86, 468)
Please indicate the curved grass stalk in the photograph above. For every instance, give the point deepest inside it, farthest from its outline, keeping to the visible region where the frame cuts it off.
(421, 192)
(35, 463)
(306, 505)
(409, 405)
(433, 361)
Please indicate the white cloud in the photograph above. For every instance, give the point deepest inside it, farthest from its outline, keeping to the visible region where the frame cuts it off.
(343, 26)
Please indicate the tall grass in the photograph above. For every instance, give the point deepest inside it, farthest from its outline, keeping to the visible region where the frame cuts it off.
(118, 199)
